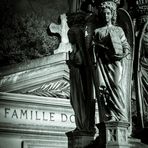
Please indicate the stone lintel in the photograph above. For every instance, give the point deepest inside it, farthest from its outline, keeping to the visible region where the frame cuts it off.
(36, 63)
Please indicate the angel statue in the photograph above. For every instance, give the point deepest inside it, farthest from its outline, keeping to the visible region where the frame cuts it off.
(113, 51)
(141, 75)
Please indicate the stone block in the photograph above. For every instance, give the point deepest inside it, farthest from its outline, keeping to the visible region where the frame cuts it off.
(79, 139)
(113, 134)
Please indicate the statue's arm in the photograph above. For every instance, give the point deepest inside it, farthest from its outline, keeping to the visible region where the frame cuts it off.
(97, 41)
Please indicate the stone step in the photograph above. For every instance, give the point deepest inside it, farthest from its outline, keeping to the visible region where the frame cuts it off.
(136, 143)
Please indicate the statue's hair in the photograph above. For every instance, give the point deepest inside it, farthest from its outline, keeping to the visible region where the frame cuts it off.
(113, 7)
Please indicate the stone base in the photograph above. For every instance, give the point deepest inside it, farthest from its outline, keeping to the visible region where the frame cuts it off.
(113, 134)
(136, 143)
(79, 139)
(142, 134)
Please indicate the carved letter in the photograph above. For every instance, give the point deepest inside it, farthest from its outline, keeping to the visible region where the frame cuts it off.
(37, 116)
(63, 117)
(44, 117)
(31, 114)
(23, 113)
(72, 118)
(15, 114)
(6, 112)
(51, 116)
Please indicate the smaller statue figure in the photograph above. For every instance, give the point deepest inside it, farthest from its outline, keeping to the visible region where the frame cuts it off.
(141, 71)
(111, 48)
(62, 30)
(81, 82)
(144, 74)
(81, 92)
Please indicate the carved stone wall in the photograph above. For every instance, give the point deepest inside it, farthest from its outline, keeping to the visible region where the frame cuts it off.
(30, 121)
(47, 76)
(34, 107)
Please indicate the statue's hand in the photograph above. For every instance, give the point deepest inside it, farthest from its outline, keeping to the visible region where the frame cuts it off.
(118, 57)
(102, 47)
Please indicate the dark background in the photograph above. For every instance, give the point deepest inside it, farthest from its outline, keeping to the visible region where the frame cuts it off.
(23, 29)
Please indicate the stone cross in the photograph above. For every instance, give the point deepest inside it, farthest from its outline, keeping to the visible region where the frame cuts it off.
(62, 30)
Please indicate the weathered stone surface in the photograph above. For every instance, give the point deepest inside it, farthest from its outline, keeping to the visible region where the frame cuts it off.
(26, 113)
(136, 143)
(48, 76)
(79, 139)
(113, 134)
(34, 121)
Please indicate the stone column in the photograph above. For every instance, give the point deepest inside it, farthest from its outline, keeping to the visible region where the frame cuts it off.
(113, 134)
(79, 139)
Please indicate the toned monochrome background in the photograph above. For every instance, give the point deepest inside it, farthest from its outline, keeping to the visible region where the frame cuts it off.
(34, 82)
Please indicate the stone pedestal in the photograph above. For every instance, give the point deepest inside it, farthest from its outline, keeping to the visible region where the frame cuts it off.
(79, 139)
(113, 134)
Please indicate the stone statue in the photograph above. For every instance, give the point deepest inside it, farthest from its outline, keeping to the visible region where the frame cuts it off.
(81, 80)
(111, 56)
(81, 92)
(141, 69)
(100, 66)
(143, 77)
(141, 73)
(111, 52)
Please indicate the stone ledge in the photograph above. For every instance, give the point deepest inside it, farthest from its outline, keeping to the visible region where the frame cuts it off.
(24, 77)
(49, 60)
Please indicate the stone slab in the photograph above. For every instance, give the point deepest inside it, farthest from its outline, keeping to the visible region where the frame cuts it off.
(33, 114)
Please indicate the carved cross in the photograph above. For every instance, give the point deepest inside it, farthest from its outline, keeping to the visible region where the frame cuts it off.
(62, 30)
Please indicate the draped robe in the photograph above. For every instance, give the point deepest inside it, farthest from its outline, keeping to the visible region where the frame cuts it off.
(111, 50)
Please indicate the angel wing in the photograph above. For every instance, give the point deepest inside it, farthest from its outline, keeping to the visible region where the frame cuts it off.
(125, 22)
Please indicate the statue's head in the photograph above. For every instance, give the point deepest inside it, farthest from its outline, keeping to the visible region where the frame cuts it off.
(109, 8)
(111, 5)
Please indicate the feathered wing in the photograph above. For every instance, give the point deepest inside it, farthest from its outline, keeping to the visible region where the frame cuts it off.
(125, 22)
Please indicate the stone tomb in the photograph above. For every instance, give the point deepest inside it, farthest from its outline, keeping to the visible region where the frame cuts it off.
(34, 107)
(34, 121)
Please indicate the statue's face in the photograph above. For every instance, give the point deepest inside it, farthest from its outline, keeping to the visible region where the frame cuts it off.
(107, 15)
